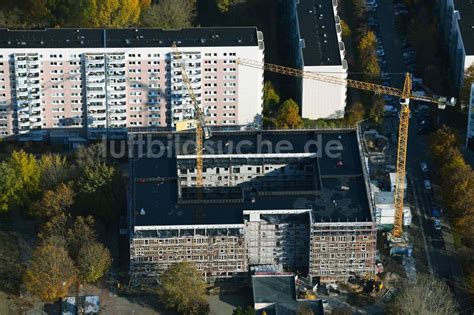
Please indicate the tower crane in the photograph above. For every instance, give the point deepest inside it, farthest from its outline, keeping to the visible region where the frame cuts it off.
(199, 123)
(405, 96)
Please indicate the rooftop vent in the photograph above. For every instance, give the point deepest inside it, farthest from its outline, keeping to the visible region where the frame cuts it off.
(142, 211)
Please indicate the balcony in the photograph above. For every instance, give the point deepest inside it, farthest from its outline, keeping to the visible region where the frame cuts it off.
(97, 115)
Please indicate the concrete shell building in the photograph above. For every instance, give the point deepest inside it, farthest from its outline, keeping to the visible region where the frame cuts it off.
(91, 82)
(269, 197)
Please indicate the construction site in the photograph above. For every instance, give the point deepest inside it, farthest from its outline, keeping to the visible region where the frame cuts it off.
(297, 208)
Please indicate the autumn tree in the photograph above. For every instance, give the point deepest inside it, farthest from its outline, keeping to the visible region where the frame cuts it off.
(50, 274)
(367, 55)
(55, 227)
(81, 232)
(429, 295)
(19, 180)
(440, 142)
(55, 170)
(170, 14)
(92, 262)
(377, 110)
(111, 13)
(355, 113)
(54, 202)
(288, 116)
(225, 5)
(359, 9)
(346, 31)
(271, 99)
(182, 288)
(465, 93)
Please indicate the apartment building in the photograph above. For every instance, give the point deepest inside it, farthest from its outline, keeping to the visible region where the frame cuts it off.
(92, 82)
(457, 28)
(269, 197)
(319, 48)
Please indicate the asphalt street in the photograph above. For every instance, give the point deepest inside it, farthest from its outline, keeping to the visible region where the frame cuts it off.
(442, 258)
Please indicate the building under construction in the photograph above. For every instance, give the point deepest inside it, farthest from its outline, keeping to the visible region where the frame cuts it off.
(297, 199)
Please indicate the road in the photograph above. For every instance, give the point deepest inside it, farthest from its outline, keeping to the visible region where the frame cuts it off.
(442, 258)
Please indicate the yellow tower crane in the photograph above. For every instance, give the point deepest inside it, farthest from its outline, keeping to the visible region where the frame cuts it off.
(405, 96)
(199, 123)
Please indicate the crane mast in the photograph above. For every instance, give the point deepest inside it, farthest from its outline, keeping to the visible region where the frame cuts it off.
(201, 129)
(405, 96)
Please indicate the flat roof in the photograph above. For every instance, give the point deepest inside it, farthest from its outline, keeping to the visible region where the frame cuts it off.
(279, 289)
(280, 292)
(340, 196)
(317, 26)
(120, 38)
(466, 24)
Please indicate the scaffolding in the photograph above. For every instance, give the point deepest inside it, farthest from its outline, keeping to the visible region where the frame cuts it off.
(216, 252)
(339, 249)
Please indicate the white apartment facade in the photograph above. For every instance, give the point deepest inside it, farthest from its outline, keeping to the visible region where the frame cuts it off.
(319, 48)
(103, 81)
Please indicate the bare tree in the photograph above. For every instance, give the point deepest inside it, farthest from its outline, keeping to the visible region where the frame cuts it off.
(429, 296)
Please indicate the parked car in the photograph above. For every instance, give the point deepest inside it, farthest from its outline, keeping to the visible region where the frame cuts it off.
(390, 110)
(427, 184)
(437, 224)
(435, 213)
(424, 167)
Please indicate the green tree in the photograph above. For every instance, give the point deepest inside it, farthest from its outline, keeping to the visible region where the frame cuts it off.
(50, 273)
(88, 156)
(95, 177)
(92, 262)
(271, 99)
(377, 110)
(355, 113)
(465, 93)
(436, 299)
(19, 180)
(54, 202)
(288, 116)
(170, 14)
(10, 187)
(183, 289)
(111, 13)
(102, 190)
(249, 310)
(11, 18)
